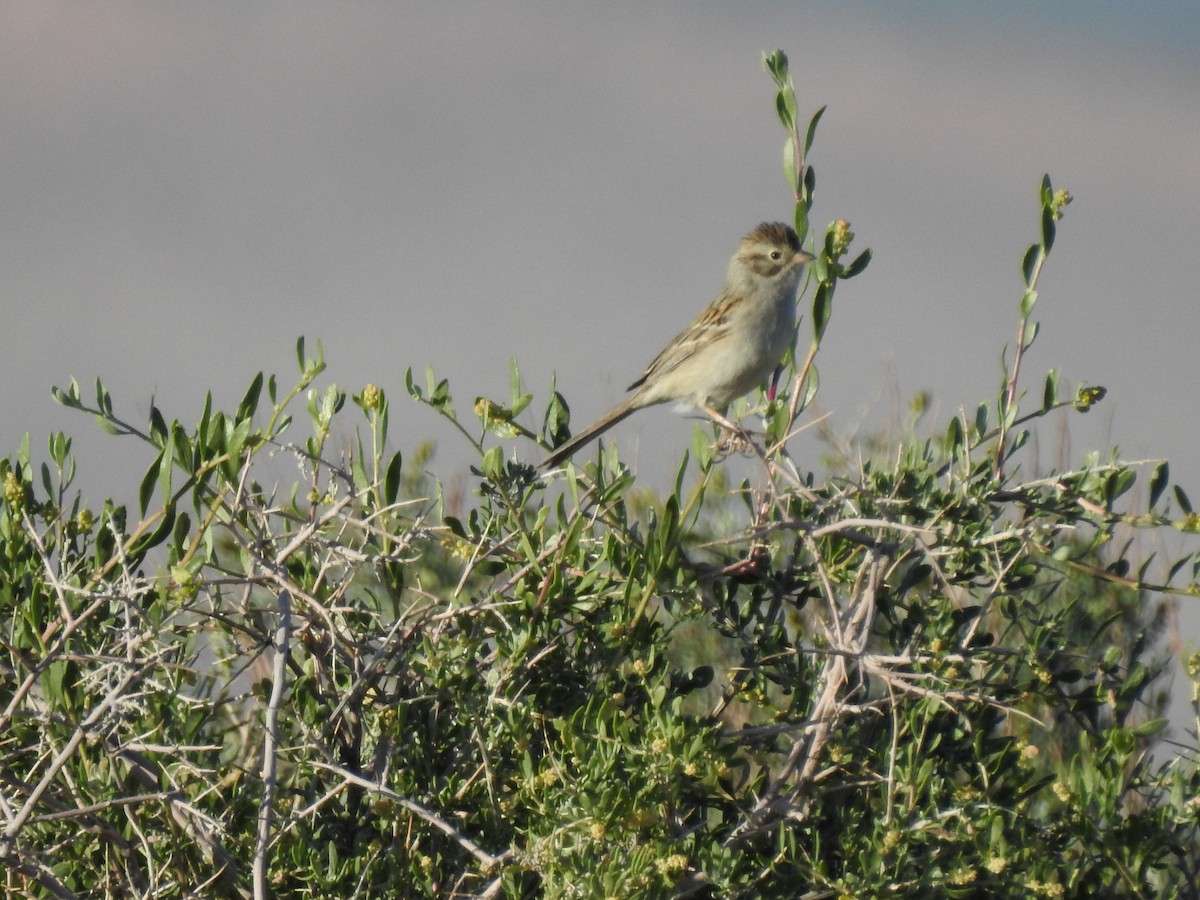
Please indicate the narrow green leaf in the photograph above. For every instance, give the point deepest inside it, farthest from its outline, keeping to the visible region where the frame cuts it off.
(785, 107)
(860, 263)
(249, 404)
(1158, 482)
(358, 474)
(149, 480)
(180, 535)
(493, 463)
(954, 435)
(1048, 228)
(789, 165)
(702, 450)
(1153, 727)
(108, 426)
(981, 420)
(68, 398)
(166, 468)
(202, 433)
(409, 385)
(682, 470)
(1050, 391)
(1027, 300)
(391, 480)
(821, 311)
(1029, 264)
(103, 400)
(1182, 499)
(812, 385)
(300, 360)
(811, 134)
(158, 426)
(800, 221)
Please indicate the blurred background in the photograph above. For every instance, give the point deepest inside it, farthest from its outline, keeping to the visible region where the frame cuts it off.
(187, 188)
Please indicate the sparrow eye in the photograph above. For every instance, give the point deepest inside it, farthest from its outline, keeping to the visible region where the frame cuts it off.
(776, 255)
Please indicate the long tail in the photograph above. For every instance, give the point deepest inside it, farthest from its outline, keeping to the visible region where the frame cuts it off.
(607, 421)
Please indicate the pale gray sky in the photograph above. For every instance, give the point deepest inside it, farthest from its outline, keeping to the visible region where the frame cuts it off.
(188, 187)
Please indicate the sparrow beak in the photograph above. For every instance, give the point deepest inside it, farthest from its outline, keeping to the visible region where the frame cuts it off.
(801, 258)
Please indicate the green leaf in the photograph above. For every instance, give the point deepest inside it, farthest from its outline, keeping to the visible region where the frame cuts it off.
(249, 404)
(180, 533)
(789, 166)
(108, 426)
(161, 532)
(860, 262)
(821, 311)
(1050, 391)
(149, 480)
(1182, 499)
(777, 65)
(811, 134)
(1027, 300)
(1151, 728)
(785, 106)
(158, 426)
(800, 221)
(556, 424)
(103, 400)
(69, 397)
(1158, 482)
(391, 480)
(59, 447)
(59, 682)
(409, 385)
(1030, 263)
(1048, 228)
(954, 436)
(493, 463)
(166, 467)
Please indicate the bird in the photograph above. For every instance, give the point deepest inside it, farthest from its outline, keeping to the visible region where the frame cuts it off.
(731, 347)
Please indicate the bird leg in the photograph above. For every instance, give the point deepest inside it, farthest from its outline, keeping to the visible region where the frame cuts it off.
(736, 439)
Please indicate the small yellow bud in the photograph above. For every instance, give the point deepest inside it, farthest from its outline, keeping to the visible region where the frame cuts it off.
(963, 876)
(14, 492)
(1062, 792)
(672, 865)
(1058, 201)
(371, 397)
(997, 864)
(842, 236)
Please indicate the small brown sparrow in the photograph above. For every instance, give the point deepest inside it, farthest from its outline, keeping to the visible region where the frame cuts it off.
(732, 346)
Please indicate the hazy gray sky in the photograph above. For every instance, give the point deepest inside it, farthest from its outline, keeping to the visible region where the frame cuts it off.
(187, 187)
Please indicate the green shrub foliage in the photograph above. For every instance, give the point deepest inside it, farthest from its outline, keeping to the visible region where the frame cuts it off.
(295, 667)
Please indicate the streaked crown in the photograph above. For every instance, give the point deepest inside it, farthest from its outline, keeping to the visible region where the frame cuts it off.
(769, 249)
